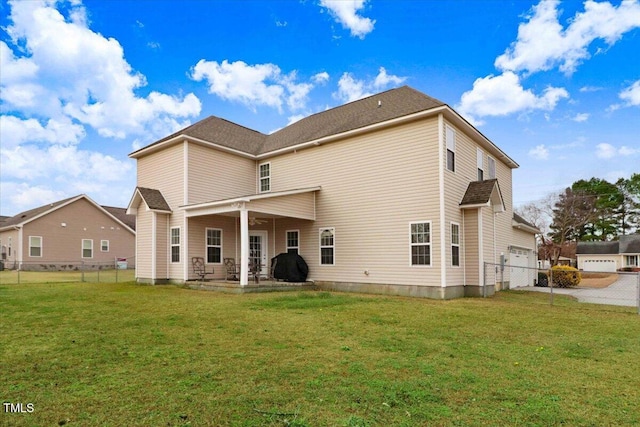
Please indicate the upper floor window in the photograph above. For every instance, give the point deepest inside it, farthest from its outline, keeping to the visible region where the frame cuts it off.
(214, 246)
(293, 245)
(421, 243)
(480, 162)
(35, 246)
(450, 137)
(265, 177)
(175, 244)
(492, 167)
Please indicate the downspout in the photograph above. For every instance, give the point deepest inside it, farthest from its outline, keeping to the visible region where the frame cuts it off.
(443, 258)
(154, 247)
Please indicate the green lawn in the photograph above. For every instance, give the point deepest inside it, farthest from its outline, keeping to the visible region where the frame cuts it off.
(130, 355)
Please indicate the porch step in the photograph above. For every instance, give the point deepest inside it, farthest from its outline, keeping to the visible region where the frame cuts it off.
(263, 286)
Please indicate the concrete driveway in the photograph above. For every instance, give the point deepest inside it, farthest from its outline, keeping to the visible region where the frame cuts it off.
(624, 292)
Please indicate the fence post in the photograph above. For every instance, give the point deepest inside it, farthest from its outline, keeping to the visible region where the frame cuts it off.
(551, 286)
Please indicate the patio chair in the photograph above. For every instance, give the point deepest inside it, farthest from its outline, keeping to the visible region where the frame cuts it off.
(232, 269)
(199, 268)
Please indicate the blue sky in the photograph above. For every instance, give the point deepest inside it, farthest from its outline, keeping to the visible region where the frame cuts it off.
(555, 84)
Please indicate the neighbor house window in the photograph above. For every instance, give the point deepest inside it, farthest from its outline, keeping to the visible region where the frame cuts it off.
(632, 260)
(293, 245)
(265, 177)
(214, 246)
(492, 167)
(35, 246)
(455, 244)
(87, 248)
(327, 246)
(480, 162)
(450, 137)
(9, 246)
(175, 244)
(421, 243)
(104, 245)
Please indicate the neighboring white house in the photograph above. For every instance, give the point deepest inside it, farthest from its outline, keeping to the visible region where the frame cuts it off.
(395, 193)
(609, 256)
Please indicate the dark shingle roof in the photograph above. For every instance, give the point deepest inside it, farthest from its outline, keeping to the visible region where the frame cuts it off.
(121, 215)
(364, 112)
(478, 192)
(626, 245)
(32, 213)
(154, 199)
(519, 219)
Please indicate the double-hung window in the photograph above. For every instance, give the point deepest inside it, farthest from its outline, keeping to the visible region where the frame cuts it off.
(293, 243)
(455, 245)
(35, 246)
(480, 162)
(265, 177)
(450, 136)
(87, 248)
(214, 246)
(492, 167)
(327, 246)
(104, 245)
(175, 244)
(421, 243)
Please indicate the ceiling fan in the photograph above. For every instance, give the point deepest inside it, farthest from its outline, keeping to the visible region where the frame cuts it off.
(253, 221)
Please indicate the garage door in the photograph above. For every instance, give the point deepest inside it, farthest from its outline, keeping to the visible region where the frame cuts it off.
(607, 265)
(520, 274)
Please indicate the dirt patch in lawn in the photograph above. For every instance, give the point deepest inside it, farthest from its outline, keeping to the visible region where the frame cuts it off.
(597, 280)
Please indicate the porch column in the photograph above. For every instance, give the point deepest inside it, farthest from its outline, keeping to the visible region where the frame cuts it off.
(244, 246)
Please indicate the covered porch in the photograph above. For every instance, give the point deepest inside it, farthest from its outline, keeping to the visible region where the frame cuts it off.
(258, 225)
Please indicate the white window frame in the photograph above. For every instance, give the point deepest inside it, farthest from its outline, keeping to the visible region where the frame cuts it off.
(455, 244)
(416, 244)
(491, 167)
(102, 246)
(631, 258)
(450, 140)
(332, 246)
(10, 245)
(286, 241)
(90, 248)
(32, 246)
(480, 164)
(266, 178)
(174, 245)
(207, 245)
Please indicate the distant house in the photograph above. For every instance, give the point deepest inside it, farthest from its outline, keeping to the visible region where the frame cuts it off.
(609, 256)
(67, 232)
(395, 193)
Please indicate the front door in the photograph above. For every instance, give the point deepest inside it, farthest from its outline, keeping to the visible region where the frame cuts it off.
(258, 251)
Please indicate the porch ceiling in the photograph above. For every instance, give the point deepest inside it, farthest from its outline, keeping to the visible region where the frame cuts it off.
(297, 203)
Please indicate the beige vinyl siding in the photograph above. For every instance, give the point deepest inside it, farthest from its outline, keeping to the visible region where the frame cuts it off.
(470, 248)
(373, 186)
(82, 220)
(296, 205)
(144, 251)
(216, 175)
(523, 239)
(162, 246)
(163, 170)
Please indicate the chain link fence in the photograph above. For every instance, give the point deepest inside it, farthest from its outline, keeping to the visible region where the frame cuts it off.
(118, 270)
(620, 288)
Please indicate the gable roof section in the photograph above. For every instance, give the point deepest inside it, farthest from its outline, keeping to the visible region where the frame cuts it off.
(630, 244)
(522, 224)
(122, 216)
(27, 216)
(403, 103)
(626, 245)
(483, 193)
(153, 198)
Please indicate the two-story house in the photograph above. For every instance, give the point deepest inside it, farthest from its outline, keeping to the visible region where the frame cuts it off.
(395, 193)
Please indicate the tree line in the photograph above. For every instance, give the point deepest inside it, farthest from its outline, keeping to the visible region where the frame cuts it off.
(593, 210)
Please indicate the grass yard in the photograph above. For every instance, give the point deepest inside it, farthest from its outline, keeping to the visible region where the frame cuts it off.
(130, 355)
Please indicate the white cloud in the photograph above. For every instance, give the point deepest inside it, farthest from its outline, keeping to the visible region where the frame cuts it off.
(345, 12)
(628, 151)
(352, 89)
(502, 95)
(320, 78)
(15, 131)
(581, 117)
(631, 95)
(540, 152)
(61, 68)
(543, 43)
(253, 85)
(608, 151)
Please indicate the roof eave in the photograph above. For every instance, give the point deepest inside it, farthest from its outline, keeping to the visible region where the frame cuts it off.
(150, 149)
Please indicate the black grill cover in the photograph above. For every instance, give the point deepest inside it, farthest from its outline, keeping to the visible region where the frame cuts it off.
(290, 267)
